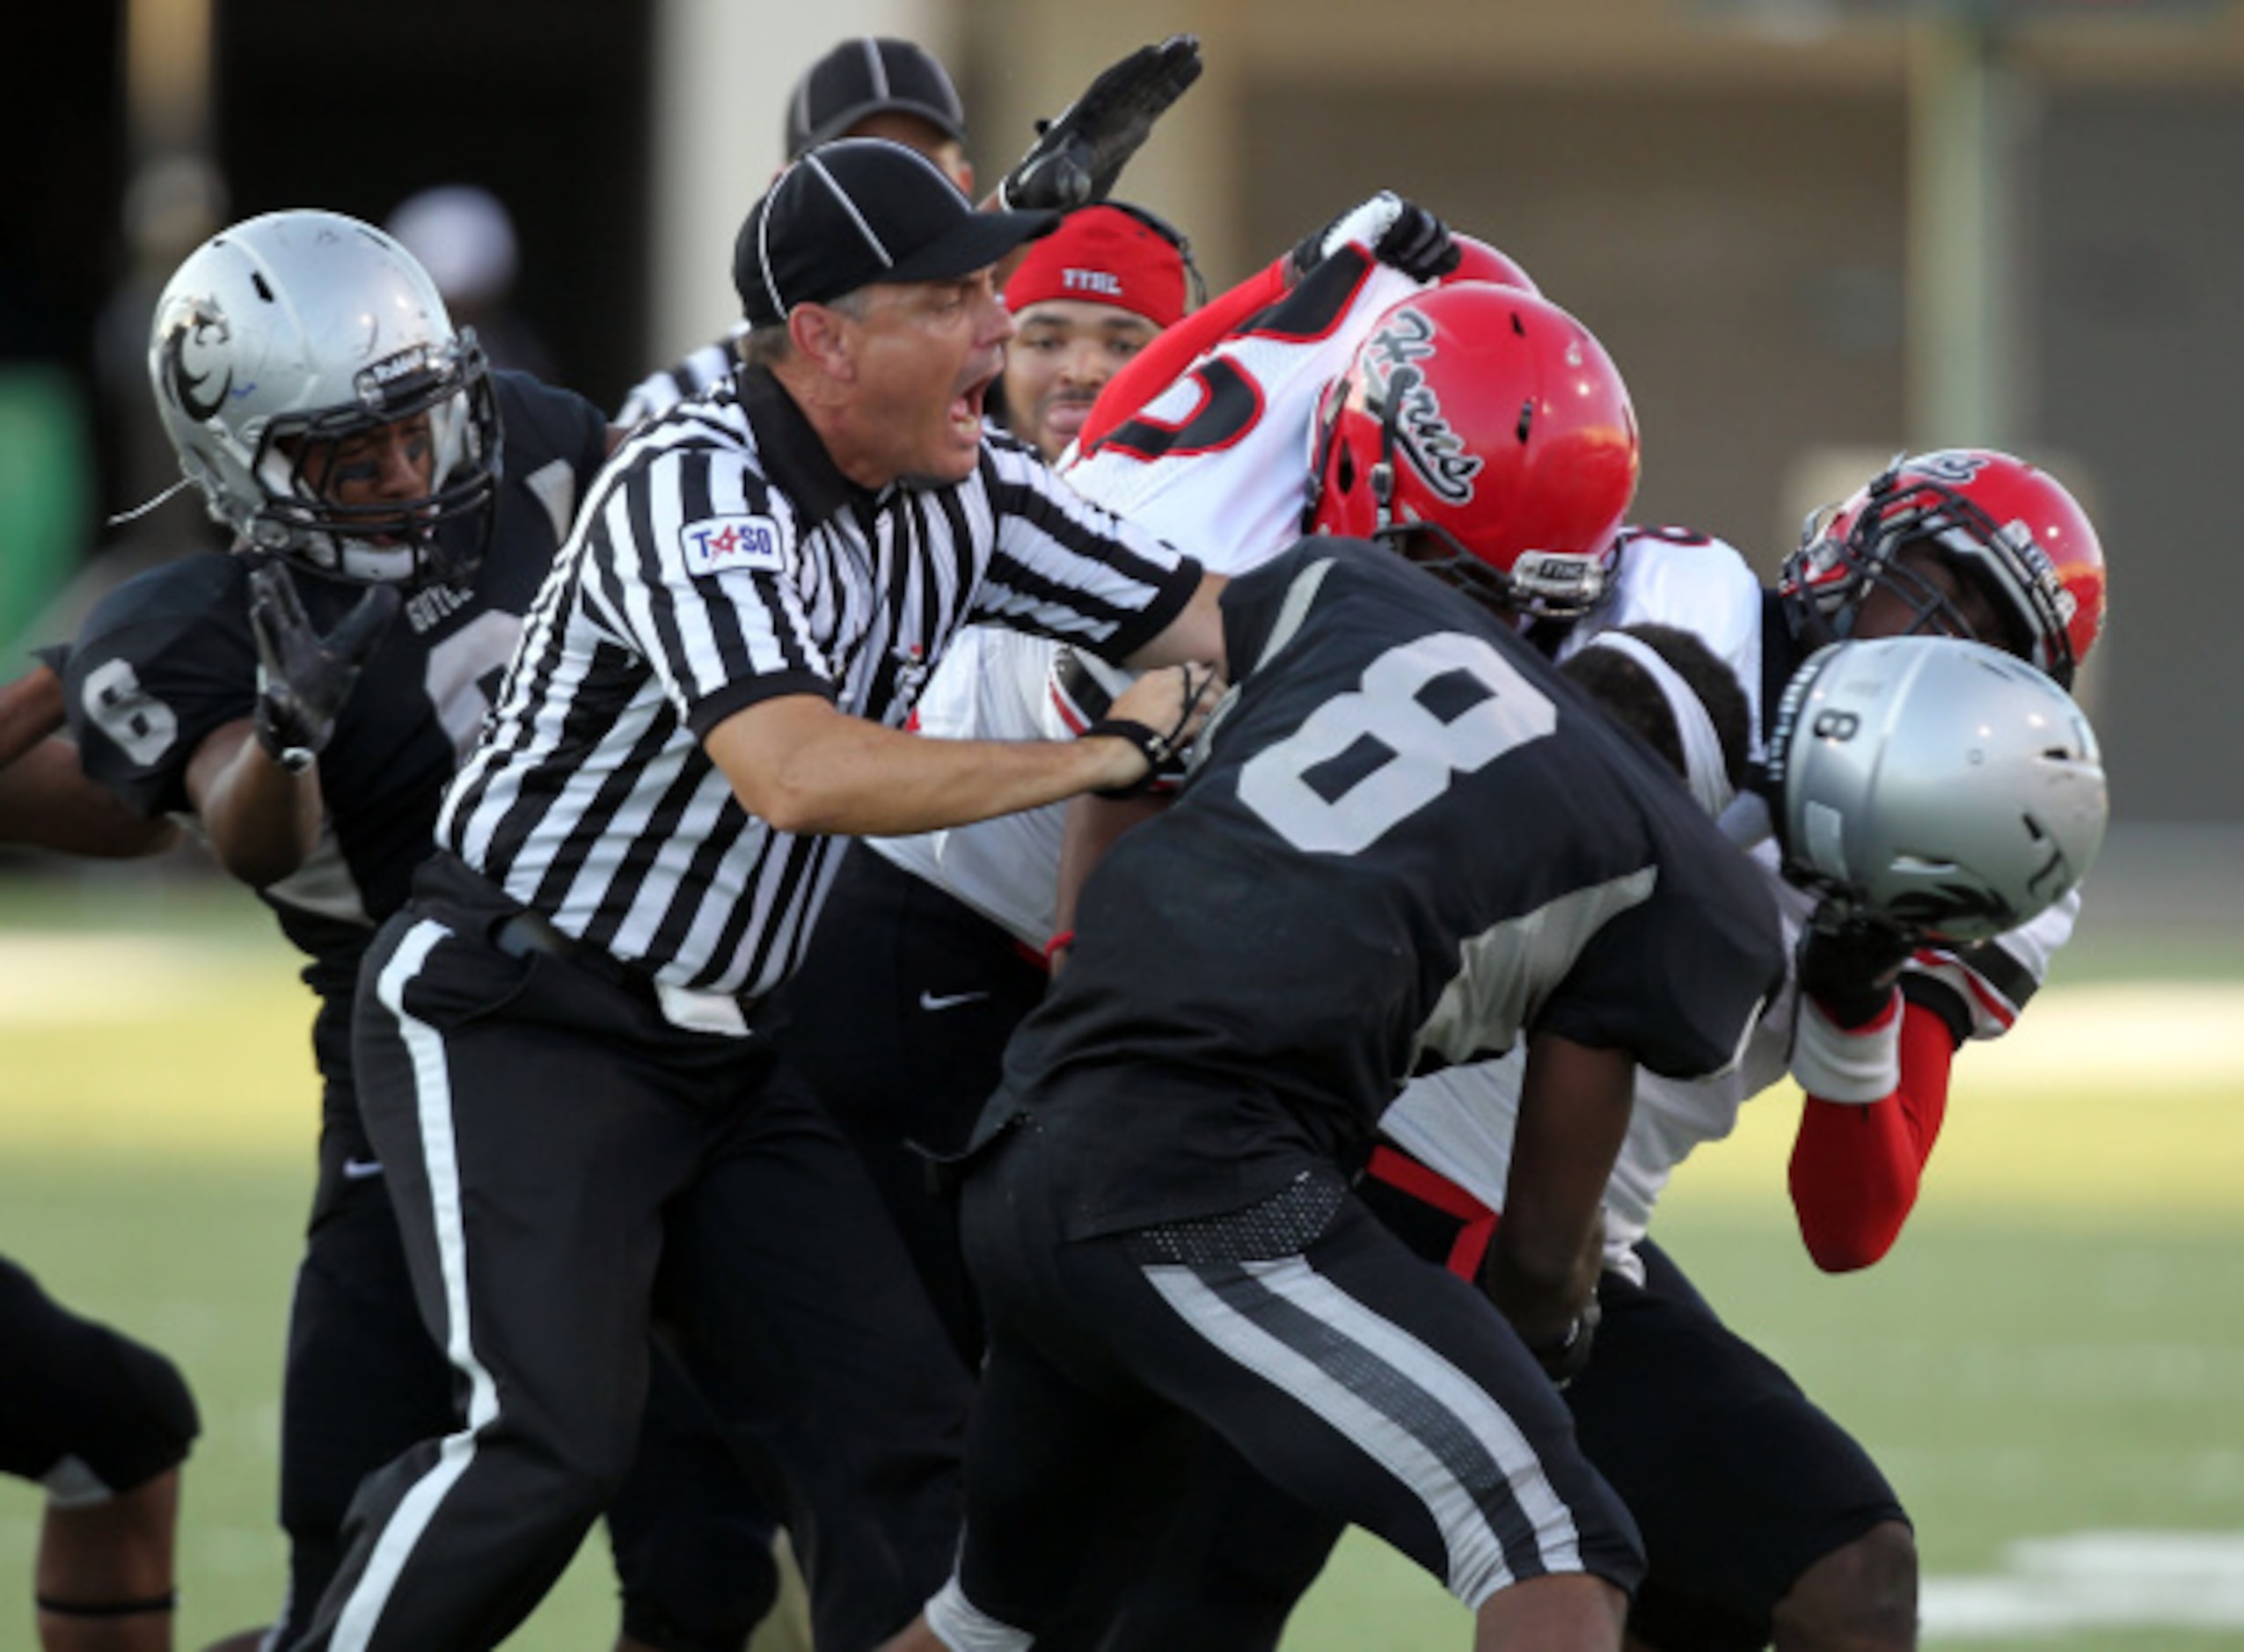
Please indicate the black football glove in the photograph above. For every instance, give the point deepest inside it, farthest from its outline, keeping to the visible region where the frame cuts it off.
(1077, 155)
(1401, 235)
(1850, 959)
(302, 678)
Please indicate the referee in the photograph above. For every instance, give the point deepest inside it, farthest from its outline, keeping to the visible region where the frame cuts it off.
(564, 1038)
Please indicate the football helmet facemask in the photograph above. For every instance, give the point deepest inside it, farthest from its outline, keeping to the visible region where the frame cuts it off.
(1935, 783)
(2009, 527)
(289, 333)
(1485, 432)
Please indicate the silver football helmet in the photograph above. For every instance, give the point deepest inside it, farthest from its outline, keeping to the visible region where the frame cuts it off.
(1937, 783)
(291, 332)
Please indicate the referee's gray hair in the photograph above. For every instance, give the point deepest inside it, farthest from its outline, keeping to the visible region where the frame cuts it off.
(768, 345)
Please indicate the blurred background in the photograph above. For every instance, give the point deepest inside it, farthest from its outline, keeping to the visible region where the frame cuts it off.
(1812, 233)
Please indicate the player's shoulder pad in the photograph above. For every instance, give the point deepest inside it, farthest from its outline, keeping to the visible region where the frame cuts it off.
(208, 588)
(543, 421)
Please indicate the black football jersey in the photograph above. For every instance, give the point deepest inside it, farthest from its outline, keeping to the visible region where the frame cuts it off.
(1410, 842)
(168, 657)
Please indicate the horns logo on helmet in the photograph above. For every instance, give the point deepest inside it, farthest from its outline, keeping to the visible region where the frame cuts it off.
(199, 327)
(1425, 436)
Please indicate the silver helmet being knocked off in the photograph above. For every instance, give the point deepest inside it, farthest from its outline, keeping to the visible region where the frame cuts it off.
(1940, 784)
(299, 329)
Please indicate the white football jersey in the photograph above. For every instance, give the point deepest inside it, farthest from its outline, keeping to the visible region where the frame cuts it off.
(1217, 464)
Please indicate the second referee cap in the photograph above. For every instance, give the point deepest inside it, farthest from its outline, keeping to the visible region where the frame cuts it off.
(860, 211)
(867, 76)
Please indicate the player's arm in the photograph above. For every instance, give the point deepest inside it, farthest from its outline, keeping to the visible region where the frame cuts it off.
(31, 709)
(254, 781)
(1855, 1168)
(805, 766)
(1542, 1268)
(47, 802)
(1875, 1064)
(261, 818)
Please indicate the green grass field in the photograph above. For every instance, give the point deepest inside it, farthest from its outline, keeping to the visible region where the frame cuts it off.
(2056, 1348)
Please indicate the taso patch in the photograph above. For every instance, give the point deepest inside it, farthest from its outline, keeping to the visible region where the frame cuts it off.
(723, 545)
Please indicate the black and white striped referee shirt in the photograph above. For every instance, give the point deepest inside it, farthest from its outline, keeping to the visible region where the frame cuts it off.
(721, 559)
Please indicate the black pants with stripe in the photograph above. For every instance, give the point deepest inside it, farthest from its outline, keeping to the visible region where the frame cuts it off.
(365, 1382)
(572, 1173)
(1738, 1481)
(1369, 1385)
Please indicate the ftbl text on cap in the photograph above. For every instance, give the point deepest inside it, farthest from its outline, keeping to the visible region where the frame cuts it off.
(1103, 255)
(866, 76)
(860, 211)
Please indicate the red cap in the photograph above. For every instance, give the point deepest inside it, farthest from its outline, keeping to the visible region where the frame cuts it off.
(1101, 255)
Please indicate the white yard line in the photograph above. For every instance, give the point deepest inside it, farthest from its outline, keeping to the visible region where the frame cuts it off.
(2094, 1580)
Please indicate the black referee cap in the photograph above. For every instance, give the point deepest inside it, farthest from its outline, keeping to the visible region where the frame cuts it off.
(868, 77)
(858, 211)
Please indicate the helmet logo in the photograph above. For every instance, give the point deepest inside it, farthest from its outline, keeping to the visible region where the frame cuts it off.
(1955, 468)
(1413, 410)
(200, 328)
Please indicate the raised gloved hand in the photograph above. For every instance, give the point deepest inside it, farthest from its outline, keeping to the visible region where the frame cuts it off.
(1401, 235)
(302, 678)
(1079, 154)
(1849, 961)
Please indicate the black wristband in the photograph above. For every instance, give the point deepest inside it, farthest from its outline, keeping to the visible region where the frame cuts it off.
(1152, 745)
(293, 756)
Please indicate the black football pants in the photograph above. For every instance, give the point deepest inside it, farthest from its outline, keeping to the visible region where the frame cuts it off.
(364, 1382)
(568, 1171)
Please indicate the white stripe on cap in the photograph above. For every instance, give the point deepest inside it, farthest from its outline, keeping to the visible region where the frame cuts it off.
(763, 246)
(848, 206)
(877, 67)
(802, 105)
(1702, 749)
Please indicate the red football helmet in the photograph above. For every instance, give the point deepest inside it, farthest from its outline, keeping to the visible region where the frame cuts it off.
(2007, 525)
(1486, 429)
(1477, 261)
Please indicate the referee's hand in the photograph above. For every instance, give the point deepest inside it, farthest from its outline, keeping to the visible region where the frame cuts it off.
(1153, 722)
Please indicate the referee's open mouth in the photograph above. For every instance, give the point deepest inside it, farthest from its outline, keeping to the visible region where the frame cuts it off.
(965, 408)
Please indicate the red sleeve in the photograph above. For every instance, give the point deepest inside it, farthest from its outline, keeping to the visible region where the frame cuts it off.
(1156, 367)
(1855, 1168)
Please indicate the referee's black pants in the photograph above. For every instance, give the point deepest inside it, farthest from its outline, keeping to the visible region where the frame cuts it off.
(569, 1172)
